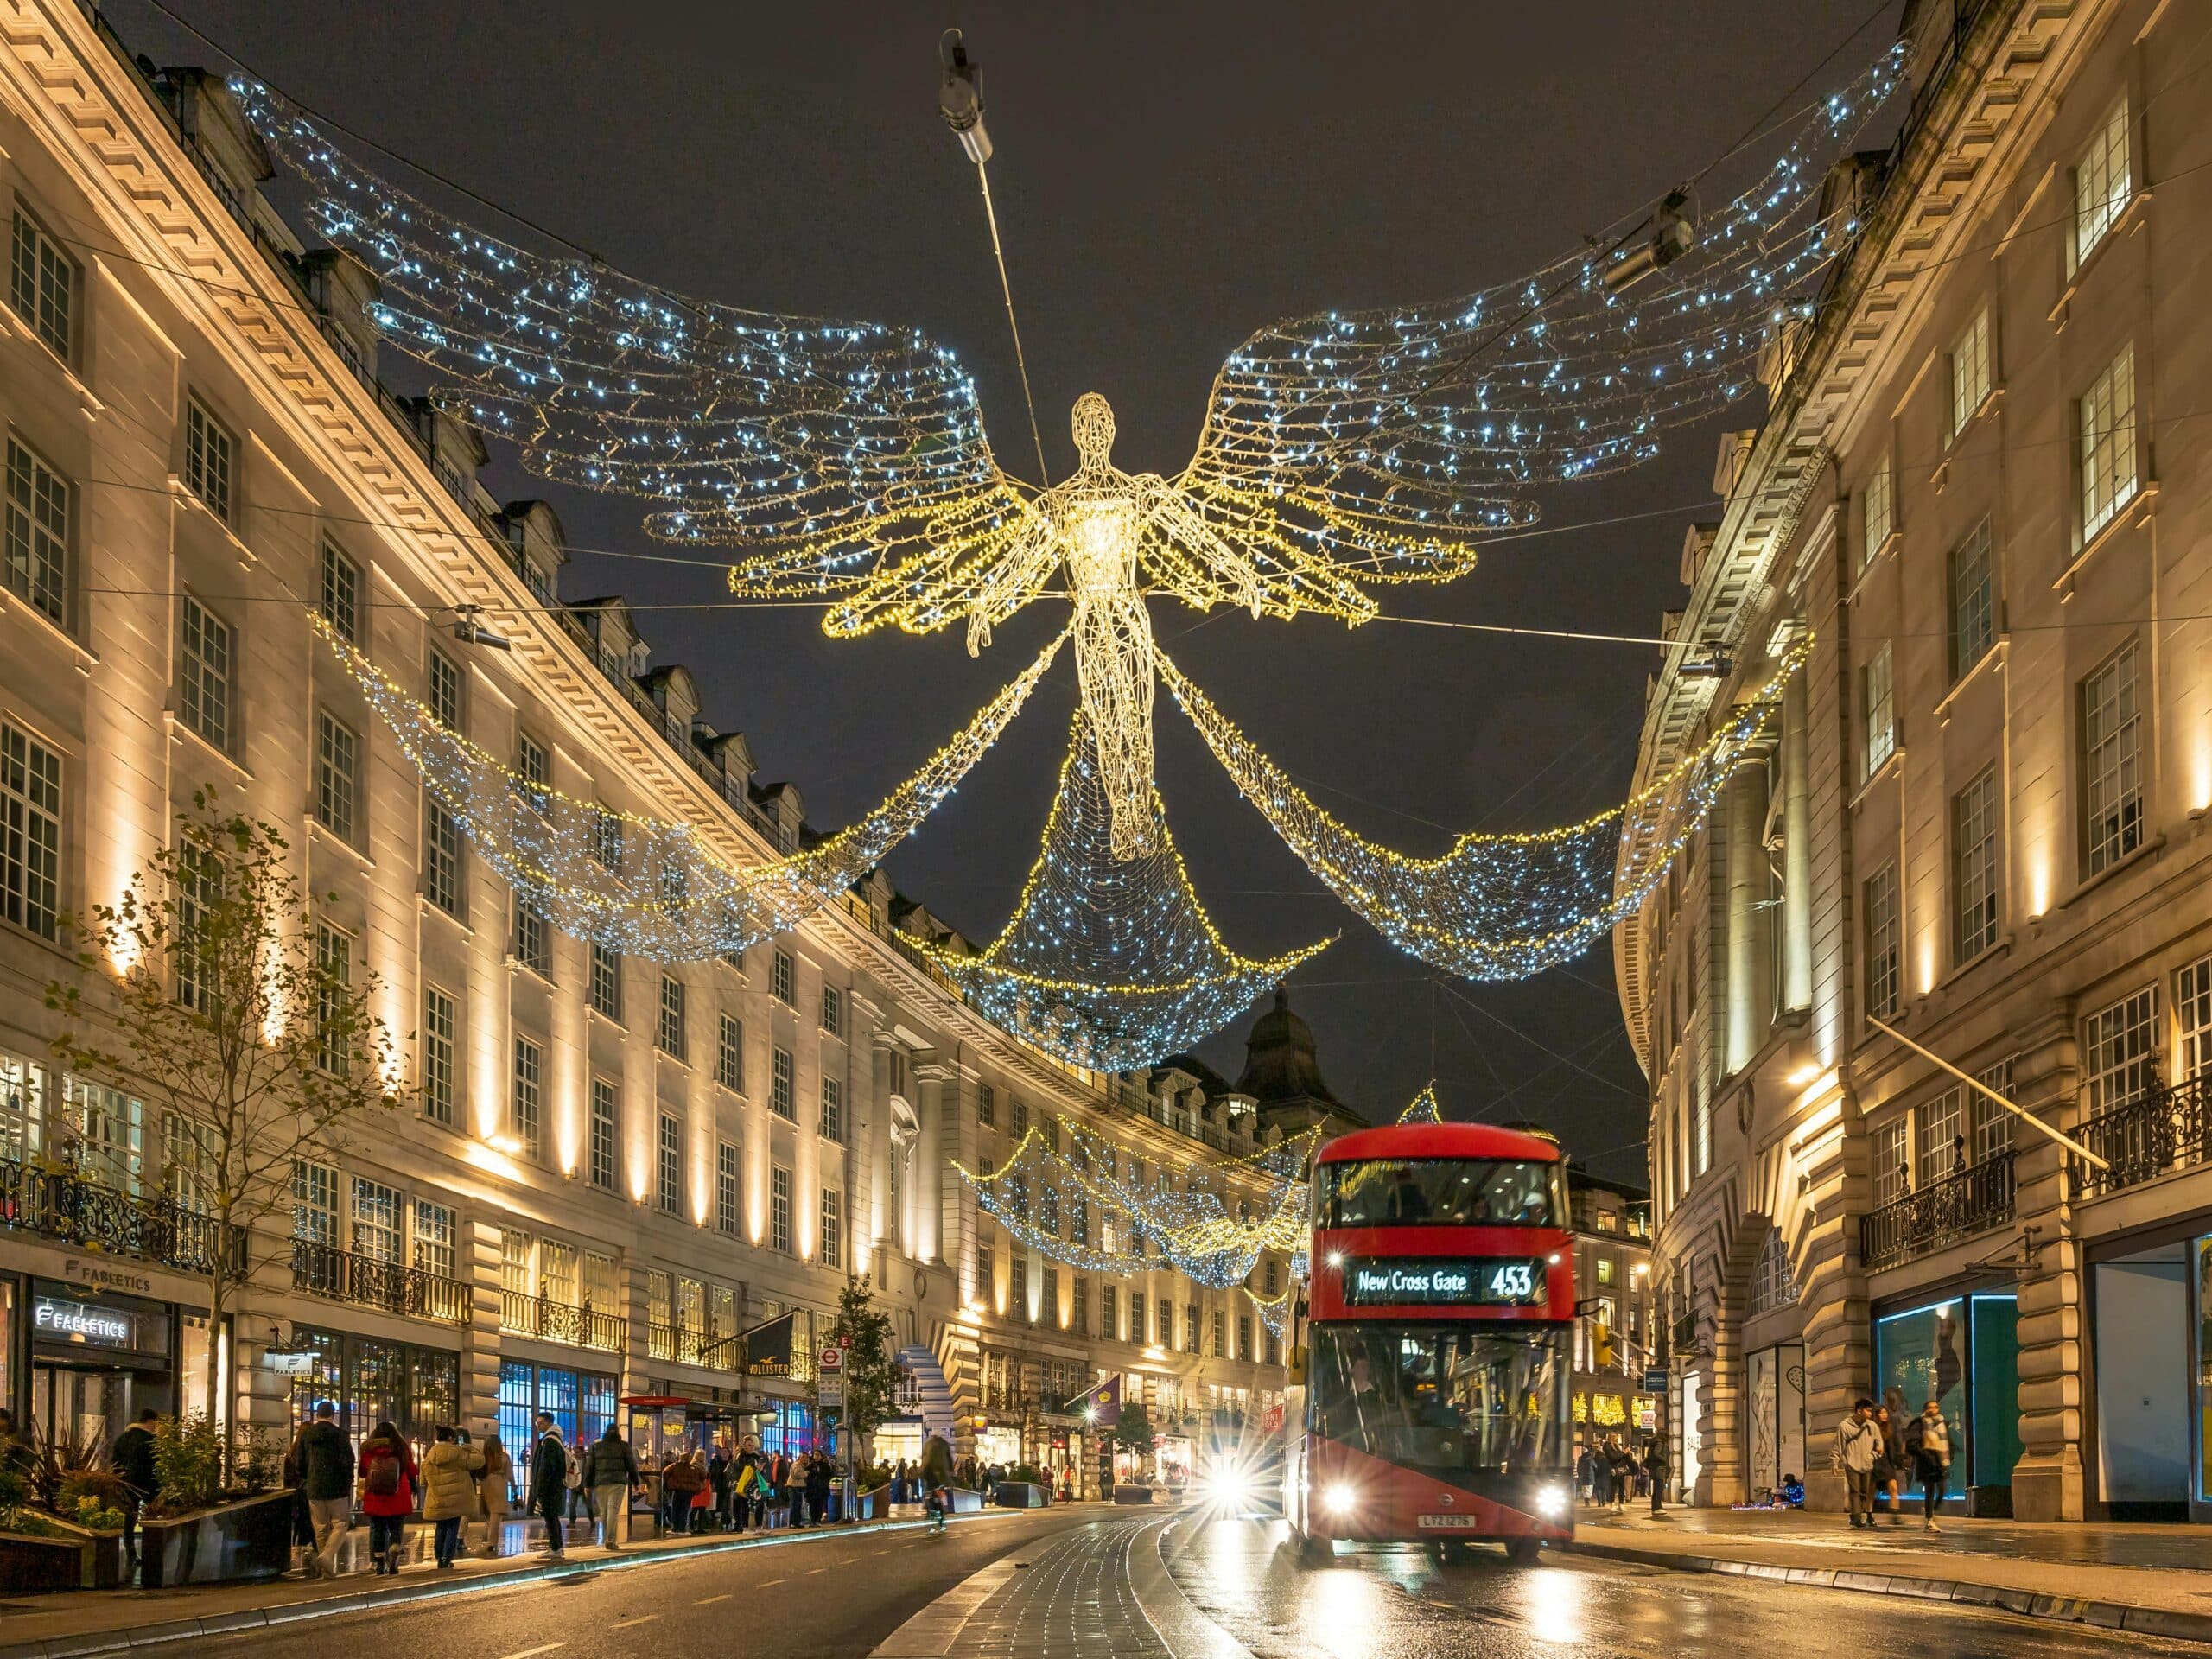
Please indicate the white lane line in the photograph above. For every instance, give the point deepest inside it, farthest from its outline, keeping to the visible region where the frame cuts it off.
(811, 1571)
(527, 1652)
(629, 1623)
(765, 1583)
(708, 1601)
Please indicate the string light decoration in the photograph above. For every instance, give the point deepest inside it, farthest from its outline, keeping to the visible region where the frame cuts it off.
(1423, 1109)
(1199, 1226)
(1108, 963)
(645, 886)
(1499, 906)
(850, 459)
(1274, 1310)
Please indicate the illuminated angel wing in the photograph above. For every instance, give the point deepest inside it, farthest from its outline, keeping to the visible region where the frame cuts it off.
(848, 457)
(1383, 445)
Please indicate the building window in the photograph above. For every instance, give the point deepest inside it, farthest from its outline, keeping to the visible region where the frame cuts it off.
(337, 775)
(779, 1209)
(833, 1109)
(606, 1121)
(725, 1206)
(30, 833)
(832, 1242)
(1605, 1270)
(783, 980)
(533, 773)
(441, 856)
(2111, 769)
(987, 1104)
(376, 1221)
(438, 1042)
(781, 1100)
(1190, 1327)
(1892, 1176)
(42, 283)
(433, 1250)
(1970, 377)
(2193, 1007)
(1973, 610)
(341, 594)
(334, 961)
(1877, 515)
(2103, 183)
(209, 457)
(533, 939)
(668, 1036)
(1774, 1285)
(445, 692)
(1942, 1128)
(2110, 477)
(1877, 698)
(2120, 1053)
(1220, 1334)
(607, 982)
(1992, 1131)
(671, 1165)
(833, 1011)
(1274, 1349)
(314, 1203)
(729, 1054)
(1110, 1313)
(1884, 975)
(204, 673)
(1020, 1109)
(38, 532)
(528, 1118)
(1973, 865)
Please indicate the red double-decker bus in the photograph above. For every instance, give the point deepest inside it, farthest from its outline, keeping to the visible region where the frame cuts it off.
(1432, 1405)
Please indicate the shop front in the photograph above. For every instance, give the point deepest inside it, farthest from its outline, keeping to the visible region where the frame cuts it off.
(1776, 1441)
(2149, 1432)
(97, 1358)
(373, 1380)
(581, 1403)
(1962, 1351)
(998, 1442)
(1686, 1454)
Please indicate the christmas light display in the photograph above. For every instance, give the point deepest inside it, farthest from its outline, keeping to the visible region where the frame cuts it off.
(1423, 1109)
(1108, 963)
(1498, 906)
(647, 886)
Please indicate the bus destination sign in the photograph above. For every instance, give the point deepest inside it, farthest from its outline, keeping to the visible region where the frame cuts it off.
(1428, 1283)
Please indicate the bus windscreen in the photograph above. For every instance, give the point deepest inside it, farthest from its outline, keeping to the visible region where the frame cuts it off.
(1439, 1192)
(1455, 1401)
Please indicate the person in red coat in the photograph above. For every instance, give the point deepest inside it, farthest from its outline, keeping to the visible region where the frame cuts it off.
(389, 1477)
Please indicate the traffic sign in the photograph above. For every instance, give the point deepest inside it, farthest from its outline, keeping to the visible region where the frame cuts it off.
(832, 1362)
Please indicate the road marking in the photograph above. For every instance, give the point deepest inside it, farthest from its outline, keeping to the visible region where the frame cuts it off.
(811, 1571)
(765, 1583)
(527, 1652)
(708, 1601)
(642, 1618)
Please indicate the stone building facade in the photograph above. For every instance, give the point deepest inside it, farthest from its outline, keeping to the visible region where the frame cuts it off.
(607, 1168)
(1981, 485)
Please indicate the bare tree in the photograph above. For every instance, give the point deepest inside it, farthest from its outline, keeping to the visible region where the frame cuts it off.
(212, 987)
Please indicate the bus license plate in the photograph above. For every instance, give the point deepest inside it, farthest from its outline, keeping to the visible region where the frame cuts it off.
(1448, 1522)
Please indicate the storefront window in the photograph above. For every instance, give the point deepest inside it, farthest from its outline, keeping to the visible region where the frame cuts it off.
(1996, 1322)
(371, 1382)
(2204, 1369)
(1963, 1354)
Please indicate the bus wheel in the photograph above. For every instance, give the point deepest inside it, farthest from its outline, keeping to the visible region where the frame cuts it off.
(1522, 1552)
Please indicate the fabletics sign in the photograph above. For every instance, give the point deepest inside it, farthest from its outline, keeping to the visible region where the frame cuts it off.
(1487, 1283)
(57, 1320)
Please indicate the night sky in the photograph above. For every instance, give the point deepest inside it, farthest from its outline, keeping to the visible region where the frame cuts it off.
(1168, 178)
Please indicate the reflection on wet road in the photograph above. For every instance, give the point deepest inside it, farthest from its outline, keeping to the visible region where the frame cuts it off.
(1396, 1604)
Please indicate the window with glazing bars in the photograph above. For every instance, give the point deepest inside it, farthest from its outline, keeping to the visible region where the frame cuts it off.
(203, 673)
(438, 1044)
(441, 856)
(783, 980)
(833, 1011)
(2103, 185)
(1942, 1128)
(1879, 700)
(334, 961)
(728, 1216)
(729, 1054)
(779, 1209)
(2119, 1051)
(832, 1236)
(780, 1097)
(607, 981)
(833, 1109)
(209, 452)
(1992, 1131)
(669, 1035)
(527, 1098)
(314, 1203)
(1974, 866)
(533, 937)
(671, 1164)
(1892, 1177)
(38, 533)
(1876, 514)
(337, 775)
(2110, 474)
(1883, 965)
(376, 1220)
(42, 285)
(2193, 1009)
(445, 692)
(606, 1132)
(987, 1104)
(1973, 604)
(433, 1244)
(2112, 763)
(341, 594)
(1970, 372)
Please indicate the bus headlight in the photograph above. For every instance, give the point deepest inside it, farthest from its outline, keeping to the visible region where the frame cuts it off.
(1338, 1499)
(1230, 1488)
(1551, 1501)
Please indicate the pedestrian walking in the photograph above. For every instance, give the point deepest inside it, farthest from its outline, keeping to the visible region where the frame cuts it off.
(326, 1460)
(1928, 1442)
(1623, 1462)
(389, 1477)
(1655, 1470)
(549, 1483)
(681, 1482)
(133, 1459)
(611, 1473)
(579, 1494)
(1890, 1461)
(1858, 1442)
(494, 1487)
(936, 1479)
(449, 1471)
(291, 1472)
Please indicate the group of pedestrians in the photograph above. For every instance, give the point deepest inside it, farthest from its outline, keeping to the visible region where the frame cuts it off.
(1610, 1473)
(1877, 1454)
(719, 1489)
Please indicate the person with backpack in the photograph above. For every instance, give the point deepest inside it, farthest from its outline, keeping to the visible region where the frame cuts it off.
(1927, 1444)
(449, 1490)
(682, 1482)
(389, 1477)
(610, 1472)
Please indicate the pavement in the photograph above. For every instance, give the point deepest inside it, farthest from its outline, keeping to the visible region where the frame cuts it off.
(2137, 1577)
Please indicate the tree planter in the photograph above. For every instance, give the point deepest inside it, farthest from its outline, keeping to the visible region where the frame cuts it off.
(1125, 1493)
(1019, 1495)
(28, 1565)
(104, 1560)
(872, 1506)
(231, 1543)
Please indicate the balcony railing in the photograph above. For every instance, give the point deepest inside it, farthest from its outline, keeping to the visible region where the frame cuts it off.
(552, 1321)
(1942, 1212)
(62, 1204)
(365, 1281)
(2166, 1128)
(681, 1346)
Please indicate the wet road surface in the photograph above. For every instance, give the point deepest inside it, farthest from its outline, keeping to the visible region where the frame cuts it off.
(1395, 1603)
